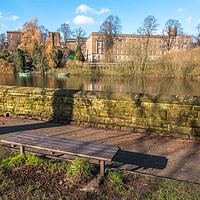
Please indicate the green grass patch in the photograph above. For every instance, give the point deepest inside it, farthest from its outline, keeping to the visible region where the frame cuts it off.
(80, 170)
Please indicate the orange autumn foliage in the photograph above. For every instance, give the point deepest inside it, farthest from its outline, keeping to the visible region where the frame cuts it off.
(31, 35)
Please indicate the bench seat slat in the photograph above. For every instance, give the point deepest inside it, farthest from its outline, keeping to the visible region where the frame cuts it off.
(82, 145)
(104, 153)
(64, 145)
(54, 138)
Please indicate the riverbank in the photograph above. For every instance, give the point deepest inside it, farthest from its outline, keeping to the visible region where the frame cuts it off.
(176, 64)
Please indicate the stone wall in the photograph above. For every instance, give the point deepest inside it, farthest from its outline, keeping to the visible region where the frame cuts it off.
(138, 112)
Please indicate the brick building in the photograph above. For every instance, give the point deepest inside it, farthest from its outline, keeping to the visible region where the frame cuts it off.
(13, 40)
(126, 46)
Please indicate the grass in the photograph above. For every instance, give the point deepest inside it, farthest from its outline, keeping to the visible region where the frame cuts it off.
(80, 170)
(32, 177)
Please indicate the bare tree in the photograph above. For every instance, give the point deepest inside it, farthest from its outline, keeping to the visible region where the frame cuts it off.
(149, 26)
(66, 33)
(79, 33)
(110, 27)
(44, 33)
(198, 34)
(172, 28)
(2, 41)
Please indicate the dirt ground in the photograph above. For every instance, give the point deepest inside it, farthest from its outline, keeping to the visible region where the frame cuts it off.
(37, 182)
(162, 156)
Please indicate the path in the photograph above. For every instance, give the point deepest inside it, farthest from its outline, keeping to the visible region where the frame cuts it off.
(155, 155)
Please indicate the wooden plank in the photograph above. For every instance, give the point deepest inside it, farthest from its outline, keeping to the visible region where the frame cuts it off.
(93, 154)
(99, 154)
(84, 149)
(66, 145)
(61, 139)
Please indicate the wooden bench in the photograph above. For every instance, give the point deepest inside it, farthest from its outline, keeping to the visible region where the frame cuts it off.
(101, 152)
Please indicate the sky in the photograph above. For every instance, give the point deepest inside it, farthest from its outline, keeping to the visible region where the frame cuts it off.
(90, 14)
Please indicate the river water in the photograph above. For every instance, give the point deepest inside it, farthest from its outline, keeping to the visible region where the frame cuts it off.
(166, 86)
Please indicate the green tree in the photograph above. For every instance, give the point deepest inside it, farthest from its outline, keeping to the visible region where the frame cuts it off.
(79, 54)
(6, 56)
(20, 59)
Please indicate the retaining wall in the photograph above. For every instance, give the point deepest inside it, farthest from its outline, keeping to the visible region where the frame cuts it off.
(138, 112)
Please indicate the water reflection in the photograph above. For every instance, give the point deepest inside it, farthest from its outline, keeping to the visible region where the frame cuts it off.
(114, 84)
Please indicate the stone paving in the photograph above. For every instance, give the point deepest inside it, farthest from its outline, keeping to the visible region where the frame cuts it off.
(148, 154)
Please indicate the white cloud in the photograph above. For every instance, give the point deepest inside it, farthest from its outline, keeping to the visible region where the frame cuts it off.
(189, 19)
(81, 19)
(1, 14)
(14, 17)
(180, 10)
(199, 20)
(85, 8)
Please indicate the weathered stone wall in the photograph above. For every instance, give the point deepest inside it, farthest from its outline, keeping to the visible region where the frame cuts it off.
(141, 112)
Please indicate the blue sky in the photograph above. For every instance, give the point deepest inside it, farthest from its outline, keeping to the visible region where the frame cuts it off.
(89, 14)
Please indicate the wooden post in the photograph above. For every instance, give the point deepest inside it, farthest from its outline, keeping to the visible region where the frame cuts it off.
(21, 150)
(102, 168)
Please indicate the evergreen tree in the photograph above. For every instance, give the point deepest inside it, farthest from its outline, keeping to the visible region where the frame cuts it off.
(79, 54)
(20, 60)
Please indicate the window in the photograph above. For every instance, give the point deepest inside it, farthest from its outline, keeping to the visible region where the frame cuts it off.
(117, 40)
(164, 46)
(121, 45)
(121, 40)
(156, 46)
(160, 52)
(120, 51)
(117, 52)
(125, 40)
(130, 40)
(165, 41)
(131, 46)
(10, 36)
(160, 46)
(124, 57)
(136, 40)
(160, 41)
(156, 41)
(125, 52)
(99, 44)
(125, 45)
(116, 45)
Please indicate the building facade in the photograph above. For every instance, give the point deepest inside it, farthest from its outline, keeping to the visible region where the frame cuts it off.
(126, 46)
(13, 40)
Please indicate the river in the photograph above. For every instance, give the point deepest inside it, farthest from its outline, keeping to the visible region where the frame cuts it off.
(168, 86)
